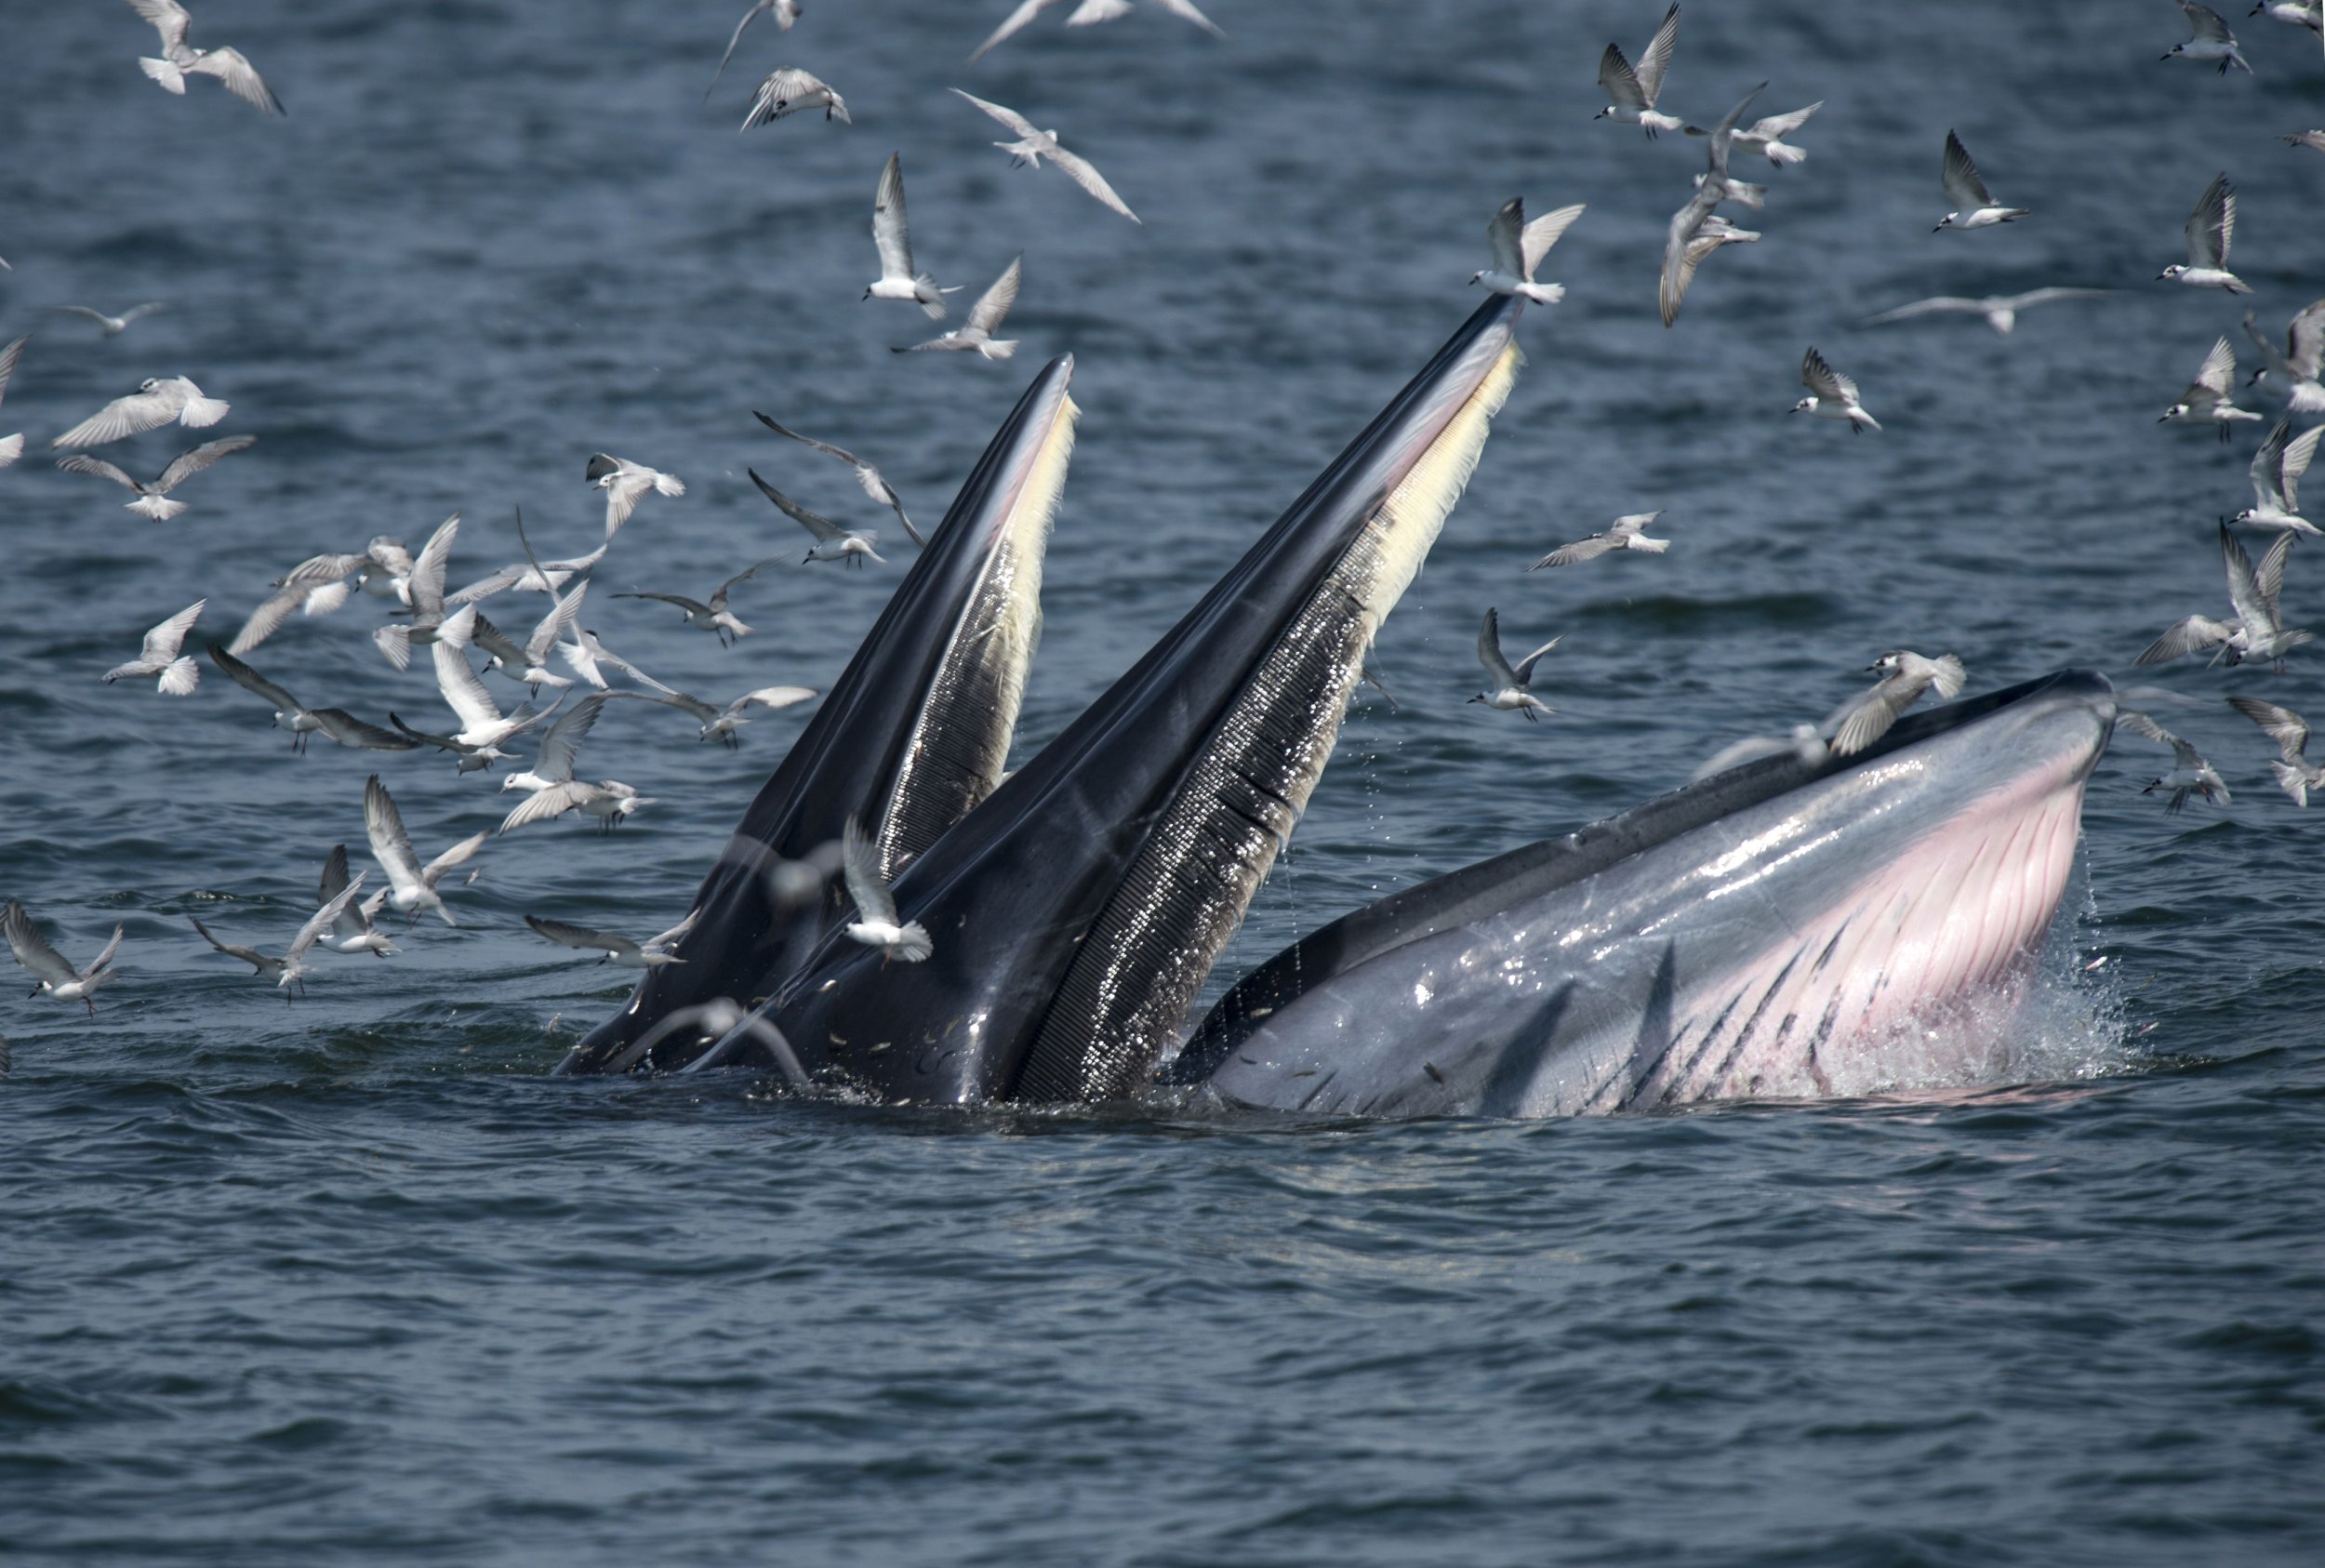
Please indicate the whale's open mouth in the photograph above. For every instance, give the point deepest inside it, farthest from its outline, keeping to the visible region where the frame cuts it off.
(1772, 930)
(1077, 912)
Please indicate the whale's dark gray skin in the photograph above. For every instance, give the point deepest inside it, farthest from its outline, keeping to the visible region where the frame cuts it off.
(915, 732)
(1077, 911)
(1781, 929)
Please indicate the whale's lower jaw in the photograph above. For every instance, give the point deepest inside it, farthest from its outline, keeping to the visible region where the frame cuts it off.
(1872, 929)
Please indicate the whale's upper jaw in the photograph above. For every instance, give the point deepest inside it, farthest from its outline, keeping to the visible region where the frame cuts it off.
(1775, 930)
(914, 733)
(1077, 911)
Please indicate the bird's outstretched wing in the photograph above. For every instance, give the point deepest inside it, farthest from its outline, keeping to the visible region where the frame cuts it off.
(861, 864)
(186, 464)
(822, 528)
(1964, 190)
(1490, 649)
(581, 937)
(993, 306)
(2212, 225)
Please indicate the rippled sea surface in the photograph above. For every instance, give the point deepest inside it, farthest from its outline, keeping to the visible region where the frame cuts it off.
(352, 1281)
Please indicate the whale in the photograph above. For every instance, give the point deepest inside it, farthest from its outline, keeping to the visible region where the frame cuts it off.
(1772, 930)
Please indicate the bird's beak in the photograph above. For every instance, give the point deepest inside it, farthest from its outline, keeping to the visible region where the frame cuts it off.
(1599, 115)
(2166, 419)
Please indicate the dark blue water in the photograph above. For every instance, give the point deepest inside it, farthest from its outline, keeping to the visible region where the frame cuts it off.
(350, 1280)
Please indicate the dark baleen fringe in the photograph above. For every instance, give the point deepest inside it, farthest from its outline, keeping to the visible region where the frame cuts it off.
(959, 740)
(1140, 964)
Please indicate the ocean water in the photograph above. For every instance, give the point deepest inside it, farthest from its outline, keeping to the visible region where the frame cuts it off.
(348, 1280)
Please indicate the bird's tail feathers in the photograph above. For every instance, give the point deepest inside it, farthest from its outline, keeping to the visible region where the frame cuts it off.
(1001, 349)
(161, 509)
(168, 75)
(200, 413)
(2293, 781)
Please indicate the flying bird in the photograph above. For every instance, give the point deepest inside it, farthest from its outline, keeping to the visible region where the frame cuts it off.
(333, 723)
(2293, 13)
(1518, 247)
(180, 60)
(530, 576)
(2300, 368)
(873, 483)
(876, 924)
(529, 664)
(985, 319)
(894, 241)
(2256, 632)
(625, 485)
(1631, 95)
(290, 971)
(554, 790)
(1695, 231)
(2276, 473)
(1905, 676)
(114, 325)
(42, 962)
(413, 885)
(1969, 204)
(2210, 230)
(2190, 775)
(608, 799)
(2213, 40)
(2291, 732)
(1766, 136)
(652, 953)
(2211, 398)
(786, 12)
(1086, 14)
(2313, 140)
(315, 587)
(713, 615)
(11, 447)
(2000, 310)
(1624, 533)
(154, 403)
(1831, 395)
(176, 674)
(718, 724)
(1032, 146)
(833, 542)
(153, 496)
(1509, 684)
(790, 91)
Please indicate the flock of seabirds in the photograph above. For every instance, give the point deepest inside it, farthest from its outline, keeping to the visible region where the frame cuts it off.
(545, 648)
